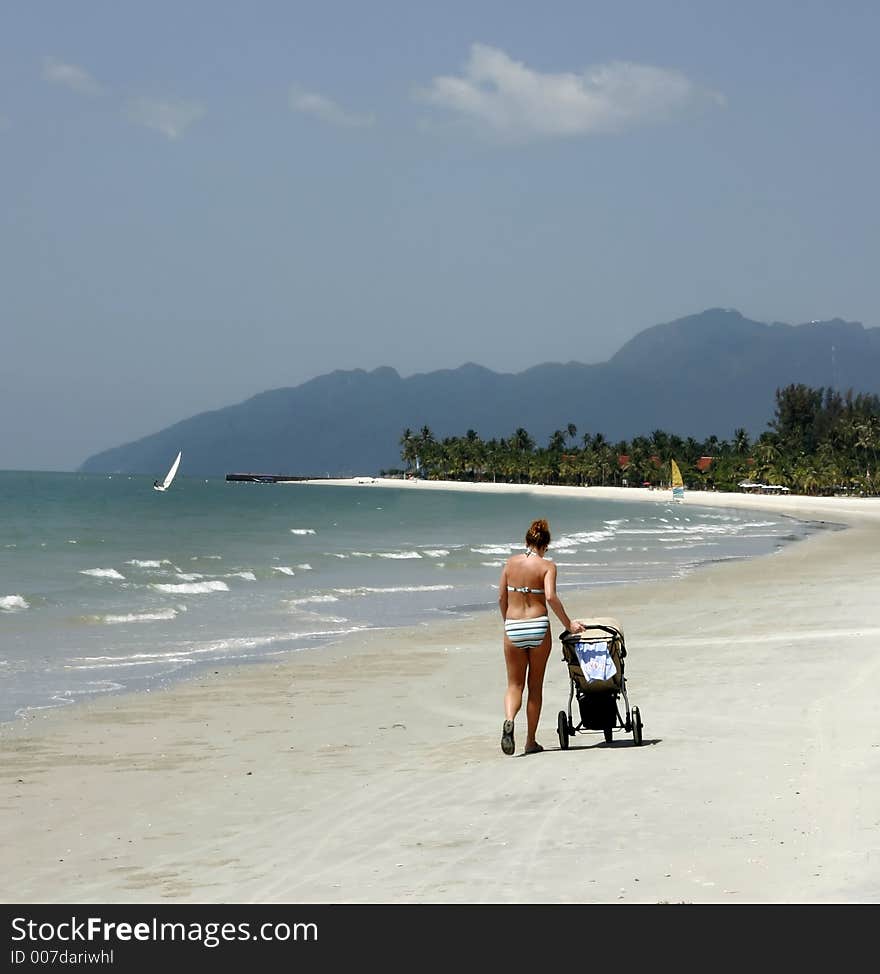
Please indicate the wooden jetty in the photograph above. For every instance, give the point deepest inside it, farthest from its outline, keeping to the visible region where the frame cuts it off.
(265, 478)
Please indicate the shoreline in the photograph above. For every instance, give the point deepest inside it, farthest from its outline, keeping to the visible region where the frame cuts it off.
(375, 775)
(793, 504)
(41, 710)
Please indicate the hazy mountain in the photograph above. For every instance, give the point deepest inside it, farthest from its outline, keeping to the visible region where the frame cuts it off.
(703, 374)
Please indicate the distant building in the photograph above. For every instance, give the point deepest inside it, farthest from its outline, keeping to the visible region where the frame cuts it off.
(750, 487)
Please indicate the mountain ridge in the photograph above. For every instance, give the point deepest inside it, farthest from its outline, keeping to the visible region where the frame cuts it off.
(703, 374)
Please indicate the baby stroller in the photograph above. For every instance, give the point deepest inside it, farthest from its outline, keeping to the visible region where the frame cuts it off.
(595, 667)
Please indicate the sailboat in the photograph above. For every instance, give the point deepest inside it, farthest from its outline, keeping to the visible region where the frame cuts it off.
(677, 482)
(166, 483)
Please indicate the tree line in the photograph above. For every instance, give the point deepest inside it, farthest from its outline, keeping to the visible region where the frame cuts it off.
(818, 442)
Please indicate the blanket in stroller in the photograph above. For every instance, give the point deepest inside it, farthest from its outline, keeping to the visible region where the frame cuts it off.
(595, 659)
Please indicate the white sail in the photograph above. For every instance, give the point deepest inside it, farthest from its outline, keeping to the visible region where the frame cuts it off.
(166, 483)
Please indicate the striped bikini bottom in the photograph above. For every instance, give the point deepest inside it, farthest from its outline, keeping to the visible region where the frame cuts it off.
(527, 633)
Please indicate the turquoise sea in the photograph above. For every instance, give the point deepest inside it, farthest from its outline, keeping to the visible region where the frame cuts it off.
(107, 585)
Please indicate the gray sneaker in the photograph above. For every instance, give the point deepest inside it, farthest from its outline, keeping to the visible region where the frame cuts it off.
(507, 744)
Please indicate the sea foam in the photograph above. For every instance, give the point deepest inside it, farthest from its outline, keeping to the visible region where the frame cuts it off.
(368, 590)
(583, 537)
(102, 573)
(13, 603)
(193, 588)
(163, 615)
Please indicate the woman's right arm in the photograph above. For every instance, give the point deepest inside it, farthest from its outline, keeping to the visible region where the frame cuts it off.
(502, 593)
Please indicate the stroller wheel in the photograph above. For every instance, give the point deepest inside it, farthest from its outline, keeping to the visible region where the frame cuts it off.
(562, 729)
(637, 726)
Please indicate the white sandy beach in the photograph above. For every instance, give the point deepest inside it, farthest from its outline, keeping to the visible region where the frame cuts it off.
(372, 772)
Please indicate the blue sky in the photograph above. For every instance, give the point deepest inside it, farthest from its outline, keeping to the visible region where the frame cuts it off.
(204, 200)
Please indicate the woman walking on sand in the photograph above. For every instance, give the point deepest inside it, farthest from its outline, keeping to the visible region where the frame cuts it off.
(527, 587)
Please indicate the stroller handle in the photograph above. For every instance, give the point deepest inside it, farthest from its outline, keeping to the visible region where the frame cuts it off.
(572, 637)
(567, 635)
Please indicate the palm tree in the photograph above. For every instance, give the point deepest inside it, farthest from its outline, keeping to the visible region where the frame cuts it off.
(610, 464)
(865, 435)
(474, 453)
(542, 467)
(521, 447)
(557, 441)
(588, 467)
(741, 441)
(568, 468)
(827, 466)
(522, 441)
(660, 443)
(493, 451)
(640, 467)
(767, 452)
(409, 448)
(453, 459)
(426, 456)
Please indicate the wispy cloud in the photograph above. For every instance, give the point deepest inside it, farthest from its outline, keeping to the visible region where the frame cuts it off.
(512, 101)
(71, 76)
(170, 118)
(324, 108)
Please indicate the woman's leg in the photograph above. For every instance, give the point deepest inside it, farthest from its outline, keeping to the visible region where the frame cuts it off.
(538, 657)
(517, 661)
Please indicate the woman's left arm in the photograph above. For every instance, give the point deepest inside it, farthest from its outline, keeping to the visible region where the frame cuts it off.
(555, 602)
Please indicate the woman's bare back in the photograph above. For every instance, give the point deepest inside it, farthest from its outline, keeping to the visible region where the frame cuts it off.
(525, 572)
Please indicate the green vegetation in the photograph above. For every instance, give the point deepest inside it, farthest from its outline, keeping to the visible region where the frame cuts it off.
(819, 442)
